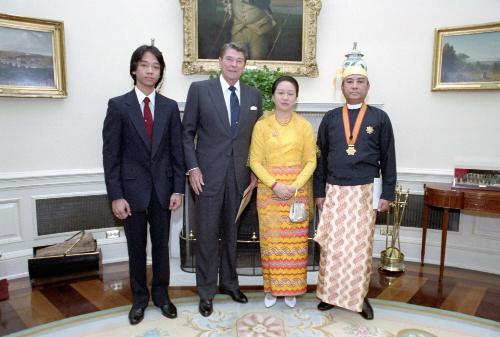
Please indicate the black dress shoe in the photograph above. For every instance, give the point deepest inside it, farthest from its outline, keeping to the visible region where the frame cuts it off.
(323, 306)
(136, 315)
(206, 308)
(236, 295)
(367, 312)
(169, 310)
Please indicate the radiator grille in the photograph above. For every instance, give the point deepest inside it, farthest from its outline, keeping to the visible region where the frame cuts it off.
(68, 214)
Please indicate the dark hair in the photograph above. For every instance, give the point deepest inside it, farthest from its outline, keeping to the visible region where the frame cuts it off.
(236, 46)
(137, 56)
(286, 79)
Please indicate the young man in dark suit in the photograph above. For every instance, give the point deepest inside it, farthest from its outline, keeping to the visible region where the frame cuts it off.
(221, 113)
(144, 173)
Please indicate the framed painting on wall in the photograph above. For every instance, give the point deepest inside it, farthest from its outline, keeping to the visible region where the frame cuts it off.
(277, 33)
(467, 58)
(31, 57)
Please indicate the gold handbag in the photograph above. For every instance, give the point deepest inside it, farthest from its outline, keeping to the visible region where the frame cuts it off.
(298, 211)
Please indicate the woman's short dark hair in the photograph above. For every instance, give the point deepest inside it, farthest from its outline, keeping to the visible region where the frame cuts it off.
(236, 46)
(286, 78)
(137, 56)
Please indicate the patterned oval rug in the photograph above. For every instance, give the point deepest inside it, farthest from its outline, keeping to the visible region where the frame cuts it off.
(392, 319)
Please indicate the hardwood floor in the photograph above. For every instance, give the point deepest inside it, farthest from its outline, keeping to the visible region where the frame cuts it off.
(464, 291)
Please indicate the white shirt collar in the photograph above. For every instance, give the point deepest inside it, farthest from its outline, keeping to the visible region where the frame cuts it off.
(354, 106)
(141, 96)
(225, 85)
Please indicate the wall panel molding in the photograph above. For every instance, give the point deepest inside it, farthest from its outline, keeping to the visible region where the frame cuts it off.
(487, 226)
(465, 249)
(10, 226)
(17, 180)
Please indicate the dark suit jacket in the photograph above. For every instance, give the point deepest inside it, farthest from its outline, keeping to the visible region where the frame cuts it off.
(206, 117)
(132, 166)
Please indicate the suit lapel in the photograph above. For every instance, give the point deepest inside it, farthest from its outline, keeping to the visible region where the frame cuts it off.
(135, 114)
(219, 103)
(160, 118)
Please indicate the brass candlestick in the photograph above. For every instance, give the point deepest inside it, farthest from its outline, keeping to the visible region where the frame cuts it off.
(392, 259)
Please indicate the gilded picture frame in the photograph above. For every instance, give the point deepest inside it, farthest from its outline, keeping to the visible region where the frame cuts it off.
(467, 58)
(32, 60)
(210, 23)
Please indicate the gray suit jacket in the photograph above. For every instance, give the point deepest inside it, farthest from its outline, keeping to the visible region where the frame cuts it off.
(206, 120)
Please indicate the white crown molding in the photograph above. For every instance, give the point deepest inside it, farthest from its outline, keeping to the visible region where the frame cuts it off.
(98, 173)
(414, 179)
(49, 173)
(316, 107)
(29, 179)
(419, 173)
(324, 107)
(306, 107)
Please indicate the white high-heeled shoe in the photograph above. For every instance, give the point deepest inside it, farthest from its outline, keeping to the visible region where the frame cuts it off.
(269, 300)
(291, 301)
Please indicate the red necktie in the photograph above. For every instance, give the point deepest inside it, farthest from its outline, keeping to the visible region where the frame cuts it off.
(148, 119)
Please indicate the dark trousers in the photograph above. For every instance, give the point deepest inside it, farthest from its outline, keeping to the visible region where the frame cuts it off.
(136, 232)
(215, 218)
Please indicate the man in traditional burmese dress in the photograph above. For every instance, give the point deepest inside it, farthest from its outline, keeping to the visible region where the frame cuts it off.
(356, 145)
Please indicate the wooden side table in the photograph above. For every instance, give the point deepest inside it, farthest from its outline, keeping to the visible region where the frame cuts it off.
(442, 196)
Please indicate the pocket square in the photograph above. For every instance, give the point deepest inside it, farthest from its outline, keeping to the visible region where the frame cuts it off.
(253, 107)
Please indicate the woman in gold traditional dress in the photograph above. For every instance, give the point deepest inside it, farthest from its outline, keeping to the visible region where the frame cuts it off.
(283, 157)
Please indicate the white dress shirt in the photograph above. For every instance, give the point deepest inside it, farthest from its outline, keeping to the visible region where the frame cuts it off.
(227, 95)
(140, 98)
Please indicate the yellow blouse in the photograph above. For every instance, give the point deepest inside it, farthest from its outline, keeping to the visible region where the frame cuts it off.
(275, 144)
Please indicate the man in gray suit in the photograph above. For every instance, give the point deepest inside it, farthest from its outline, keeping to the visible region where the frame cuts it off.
(221, 113)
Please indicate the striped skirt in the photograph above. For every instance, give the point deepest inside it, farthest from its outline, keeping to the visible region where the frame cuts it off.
(283, 244)
(345, 234)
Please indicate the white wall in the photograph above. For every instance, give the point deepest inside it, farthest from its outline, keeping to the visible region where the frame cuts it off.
(432, 128)
(54, 137)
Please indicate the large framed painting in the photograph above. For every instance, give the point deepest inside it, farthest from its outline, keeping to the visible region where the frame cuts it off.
(467, 58)
(278, 33)
(31, 57)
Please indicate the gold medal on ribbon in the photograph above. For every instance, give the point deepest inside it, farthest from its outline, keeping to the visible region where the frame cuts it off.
(351, 138)
(351, 150)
